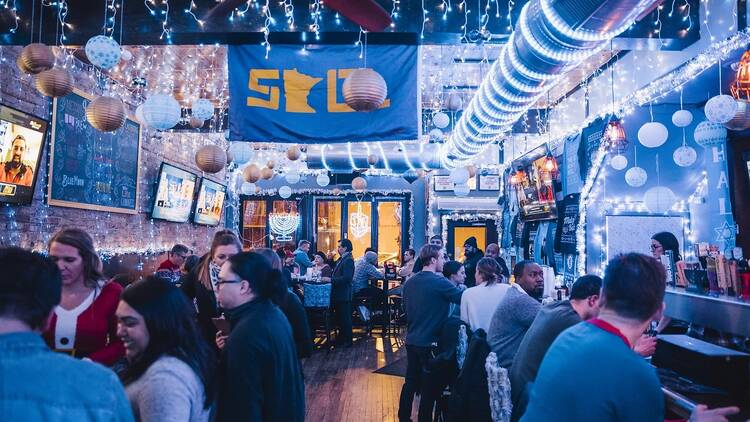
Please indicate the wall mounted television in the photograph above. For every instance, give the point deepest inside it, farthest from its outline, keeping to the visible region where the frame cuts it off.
(173, 200)
(22, 138)
(210, 203)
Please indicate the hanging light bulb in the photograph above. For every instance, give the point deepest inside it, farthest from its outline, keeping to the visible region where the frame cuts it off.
(615, 137)
(550, 164)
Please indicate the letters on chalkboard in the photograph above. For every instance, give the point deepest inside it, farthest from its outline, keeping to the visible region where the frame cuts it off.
(91, 169)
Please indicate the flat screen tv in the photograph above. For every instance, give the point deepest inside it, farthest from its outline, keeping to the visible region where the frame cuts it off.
(174, 194)
(21, 143)
(210, 203)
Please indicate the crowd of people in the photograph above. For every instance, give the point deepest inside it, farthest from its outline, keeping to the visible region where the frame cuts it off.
(221, 336)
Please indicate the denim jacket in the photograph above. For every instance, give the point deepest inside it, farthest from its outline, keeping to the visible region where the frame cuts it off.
(37, 384)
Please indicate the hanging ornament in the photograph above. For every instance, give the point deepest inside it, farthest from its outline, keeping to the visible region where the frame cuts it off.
(161, 111)
(653, 134)
(359, 222)
(247, 188)
(720, 109)
(659, 199)
(359, 184)
(292, 177)
(211, 158)
(618, 162)
(266, 173)
(614, 136)
(461, 189)
(364, 89)
(55, 82)
(271, 164)
(682, 118)
(196, 123)
(202, 109)
(455, 102)
(251, 173)
(550, 164)
(323, 180)
(102, 51)
(472, 170)
(459, 176)
(106, 114)
(684, 156)
(708, 133)
(436, 134)
(126, 55)
(372, 159)
(285, 192)
(636, 177)
(35, 58)
(441, 120)
(741, 119)
(741, 87)
(241, 151)
(293, 153)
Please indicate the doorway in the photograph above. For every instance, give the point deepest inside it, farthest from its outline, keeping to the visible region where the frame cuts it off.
(484, 231)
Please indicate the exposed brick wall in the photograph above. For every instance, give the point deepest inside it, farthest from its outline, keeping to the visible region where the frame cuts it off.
(31, 226)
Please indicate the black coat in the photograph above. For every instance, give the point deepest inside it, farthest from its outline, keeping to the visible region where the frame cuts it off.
(297, 317)
(260, 375)
(341, 279)
(470, 399)
(205, 303)
(470, 266)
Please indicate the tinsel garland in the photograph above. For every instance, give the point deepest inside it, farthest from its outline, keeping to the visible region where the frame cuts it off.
(498, 217)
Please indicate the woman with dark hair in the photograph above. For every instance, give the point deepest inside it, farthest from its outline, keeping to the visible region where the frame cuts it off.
(321, 267)
(663, 242)
(170, 371)
(455, 273)
(261, 377)
(84, 323)
(478, 303)
(201, 284)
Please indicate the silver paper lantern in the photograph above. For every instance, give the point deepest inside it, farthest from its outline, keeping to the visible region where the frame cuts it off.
(211, 158)
(741, 119)
(106, 114)
(364, 90)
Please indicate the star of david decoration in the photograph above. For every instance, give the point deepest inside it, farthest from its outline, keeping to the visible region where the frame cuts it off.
(725, 232)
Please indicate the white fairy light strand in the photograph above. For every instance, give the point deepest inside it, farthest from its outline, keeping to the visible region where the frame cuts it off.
(191, 11)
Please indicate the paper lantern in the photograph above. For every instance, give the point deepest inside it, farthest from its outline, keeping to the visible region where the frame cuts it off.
(323, 180)
(682, 118)
(441, 120)
(359, 184)
(614, 136)
(161, 111)
(461, 189)
(364, 90)
(455, 102)
(139, 115)
(336, 191)
(707, 134)
(460, 176)
(196, 123)
(293, 153)
(436, 134)
(684, 156)
(741, 119)
(618, 162)
(251, 173)
(241, 151)
(636, 177)
(653, 134)
(247, 188)
(55, 82)
(292, 177)
(372, 159)
(126, 55)
(285, 192)
(103, 52)
(35, 58)
(106, 114)
(271, 164)
(211, 158)
(720, 109)
(659, 199)
(202, 109)
(472, 170)
(266, 173)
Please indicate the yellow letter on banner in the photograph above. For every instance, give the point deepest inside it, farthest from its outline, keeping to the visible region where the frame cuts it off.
(273, 101)
(332, 84)
(297, 88)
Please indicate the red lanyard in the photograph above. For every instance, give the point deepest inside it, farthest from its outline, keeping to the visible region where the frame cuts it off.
(604, 325)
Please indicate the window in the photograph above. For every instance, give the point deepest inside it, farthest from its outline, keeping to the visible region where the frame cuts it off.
(328, 226)
(285, 225)
(389, 231)
(359, 226)
(254, 224)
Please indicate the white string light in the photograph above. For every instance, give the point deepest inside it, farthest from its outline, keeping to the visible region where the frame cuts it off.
(191, 11)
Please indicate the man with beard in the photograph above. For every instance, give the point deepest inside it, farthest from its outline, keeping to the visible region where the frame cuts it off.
(15, 171)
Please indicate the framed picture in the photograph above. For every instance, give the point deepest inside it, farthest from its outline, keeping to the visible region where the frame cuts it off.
(442, 184)
(489, 182)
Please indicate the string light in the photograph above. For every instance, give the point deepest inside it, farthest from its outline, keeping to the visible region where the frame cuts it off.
(11, 4)
(267, 27)
(315, 15)
(190, 11)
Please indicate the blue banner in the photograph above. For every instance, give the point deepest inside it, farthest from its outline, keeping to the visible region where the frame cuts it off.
(296, 94)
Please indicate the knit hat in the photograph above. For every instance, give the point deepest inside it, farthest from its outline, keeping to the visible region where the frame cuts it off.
(472, 241)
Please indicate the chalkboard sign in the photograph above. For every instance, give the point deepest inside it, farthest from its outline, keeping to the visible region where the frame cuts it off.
(567, 225)
(91, 169)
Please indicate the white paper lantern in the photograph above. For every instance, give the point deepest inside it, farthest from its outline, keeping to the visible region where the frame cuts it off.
(708, 133)
(247, 188)
(103, 52)
(202, 109)
(653, 134)
(618, 162)
(460, 176)
(364, 90)
(285, 192)
(292, 177)
(461, 189)
(323, 180)
(126, 55)
(720, 109)
(139, 115)
(741, 119)
(636, 177)
(684, 156)
(242, 152)
(455, 102)
(659, 199)
(682, 118)
(441, 120)
(161, 111)
(436, 134)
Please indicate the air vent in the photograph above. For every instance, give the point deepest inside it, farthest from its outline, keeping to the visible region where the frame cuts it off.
(576, 12)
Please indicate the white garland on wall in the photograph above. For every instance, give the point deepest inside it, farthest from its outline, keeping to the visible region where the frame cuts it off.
(458, 216)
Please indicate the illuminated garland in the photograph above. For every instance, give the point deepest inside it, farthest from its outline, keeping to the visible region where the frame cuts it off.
(456, 216)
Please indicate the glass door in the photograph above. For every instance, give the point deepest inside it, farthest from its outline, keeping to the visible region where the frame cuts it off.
(254, 224)
(328, 220)
(359, 226)
(390, 230)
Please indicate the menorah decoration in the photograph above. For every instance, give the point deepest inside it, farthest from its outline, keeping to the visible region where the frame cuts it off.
(283, 224)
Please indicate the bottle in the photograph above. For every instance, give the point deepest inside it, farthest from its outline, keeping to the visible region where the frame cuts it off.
(744, 273)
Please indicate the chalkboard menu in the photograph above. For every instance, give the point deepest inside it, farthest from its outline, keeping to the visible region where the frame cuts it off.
(91, 169)
(567, 225)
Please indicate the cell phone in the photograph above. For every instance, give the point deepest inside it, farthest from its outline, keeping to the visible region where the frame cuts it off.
(221, 324)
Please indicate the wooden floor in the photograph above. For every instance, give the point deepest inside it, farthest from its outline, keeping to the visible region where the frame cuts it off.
(340, 384)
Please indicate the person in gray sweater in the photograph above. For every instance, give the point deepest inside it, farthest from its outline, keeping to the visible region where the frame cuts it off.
(516, 312)
(170, 371)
